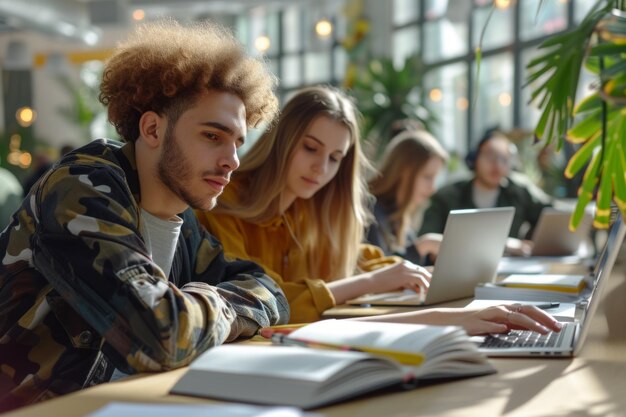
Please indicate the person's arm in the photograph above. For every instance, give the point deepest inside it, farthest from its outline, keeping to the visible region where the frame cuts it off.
(308, 298)
(381, 274)
(495, 319)
(435, 216)
(89, 248)
(257, 299)
(532, 200)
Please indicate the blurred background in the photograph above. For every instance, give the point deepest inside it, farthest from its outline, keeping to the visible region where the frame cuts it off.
(400, 59)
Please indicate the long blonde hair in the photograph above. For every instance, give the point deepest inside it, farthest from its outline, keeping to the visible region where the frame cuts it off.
(336, 215)
(405, 156)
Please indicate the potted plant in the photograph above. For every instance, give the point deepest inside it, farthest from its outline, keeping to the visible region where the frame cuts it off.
(597, 124)
(385, 94)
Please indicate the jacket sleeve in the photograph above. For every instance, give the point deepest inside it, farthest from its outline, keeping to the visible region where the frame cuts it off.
(308, 298)
(255, 297)
(436, 215)
(89, 247)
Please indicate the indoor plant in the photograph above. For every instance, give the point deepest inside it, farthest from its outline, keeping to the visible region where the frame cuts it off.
(597, 124)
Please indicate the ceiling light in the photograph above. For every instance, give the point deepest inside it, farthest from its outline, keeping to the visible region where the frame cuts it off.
(323, 28)
(25, 116)
(139, 14)
(262, 43)
(435, 95)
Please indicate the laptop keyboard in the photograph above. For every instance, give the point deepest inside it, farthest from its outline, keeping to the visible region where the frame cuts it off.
(524, 338)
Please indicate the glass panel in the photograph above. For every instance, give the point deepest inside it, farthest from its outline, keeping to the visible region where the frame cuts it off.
(494, 104)
(272, 30)
(263, 25)
(291, 71)
(405, 43)
(581, 8)
(316, 67)
(446, 33)
(309, 18)
(536, 22)
(405, 11)
(341, 63)
(292, 29)
(435, 9)
(446, 91)
(529, 114)
(273, 64)
(341, 24)
(242, 30)
(499, 31)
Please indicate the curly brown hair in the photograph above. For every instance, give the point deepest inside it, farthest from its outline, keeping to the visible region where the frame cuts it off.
(164, 67)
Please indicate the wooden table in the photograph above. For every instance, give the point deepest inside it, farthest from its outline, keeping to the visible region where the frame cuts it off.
(593, 384)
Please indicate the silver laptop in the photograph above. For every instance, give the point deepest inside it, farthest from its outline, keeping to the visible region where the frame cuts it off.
(472, 245)
(552, 236)
(569, 341)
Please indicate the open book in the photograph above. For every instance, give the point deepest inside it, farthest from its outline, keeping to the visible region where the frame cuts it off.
(310, 377)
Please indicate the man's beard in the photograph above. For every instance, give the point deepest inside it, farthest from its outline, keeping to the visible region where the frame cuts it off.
(174, 170)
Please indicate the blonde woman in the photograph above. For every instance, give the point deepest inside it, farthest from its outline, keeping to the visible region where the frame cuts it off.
(405, 182)
(297, 206)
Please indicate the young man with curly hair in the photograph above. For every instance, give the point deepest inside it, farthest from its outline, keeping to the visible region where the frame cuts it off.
(104, 269)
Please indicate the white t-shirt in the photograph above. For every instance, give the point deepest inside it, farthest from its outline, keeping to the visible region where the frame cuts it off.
(485, 198)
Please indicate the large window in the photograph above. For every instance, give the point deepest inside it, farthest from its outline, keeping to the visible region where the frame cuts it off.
(446, 33)
(296, 52)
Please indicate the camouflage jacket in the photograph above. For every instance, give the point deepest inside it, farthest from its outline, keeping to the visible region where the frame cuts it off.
(79, 294)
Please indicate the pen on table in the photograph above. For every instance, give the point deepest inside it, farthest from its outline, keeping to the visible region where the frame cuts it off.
(405, 358)
(267, 332)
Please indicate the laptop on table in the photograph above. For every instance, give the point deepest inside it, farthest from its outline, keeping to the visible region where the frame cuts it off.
(552, 244)
(569, 341)
(552, 236)
(472, 245)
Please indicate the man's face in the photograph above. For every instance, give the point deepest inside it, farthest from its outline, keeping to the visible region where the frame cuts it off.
(493, 162)
(200, 150)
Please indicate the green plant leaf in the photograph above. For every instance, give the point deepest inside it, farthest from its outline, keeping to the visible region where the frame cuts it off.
(586, 127)
(582, 156)
(589, 103)
(384, 94)
(561, 66)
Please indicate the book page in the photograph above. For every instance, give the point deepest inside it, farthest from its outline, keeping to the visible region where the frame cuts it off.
(396, 336)
(447, 350)
(276, 361)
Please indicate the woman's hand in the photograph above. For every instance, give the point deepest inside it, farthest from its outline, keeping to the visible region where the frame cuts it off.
(518, 247)
(500, 319)
(428, 244)
(401, 275)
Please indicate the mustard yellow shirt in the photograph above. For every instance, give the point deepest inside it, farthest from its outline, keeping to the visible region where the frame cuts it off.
(271, 245)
